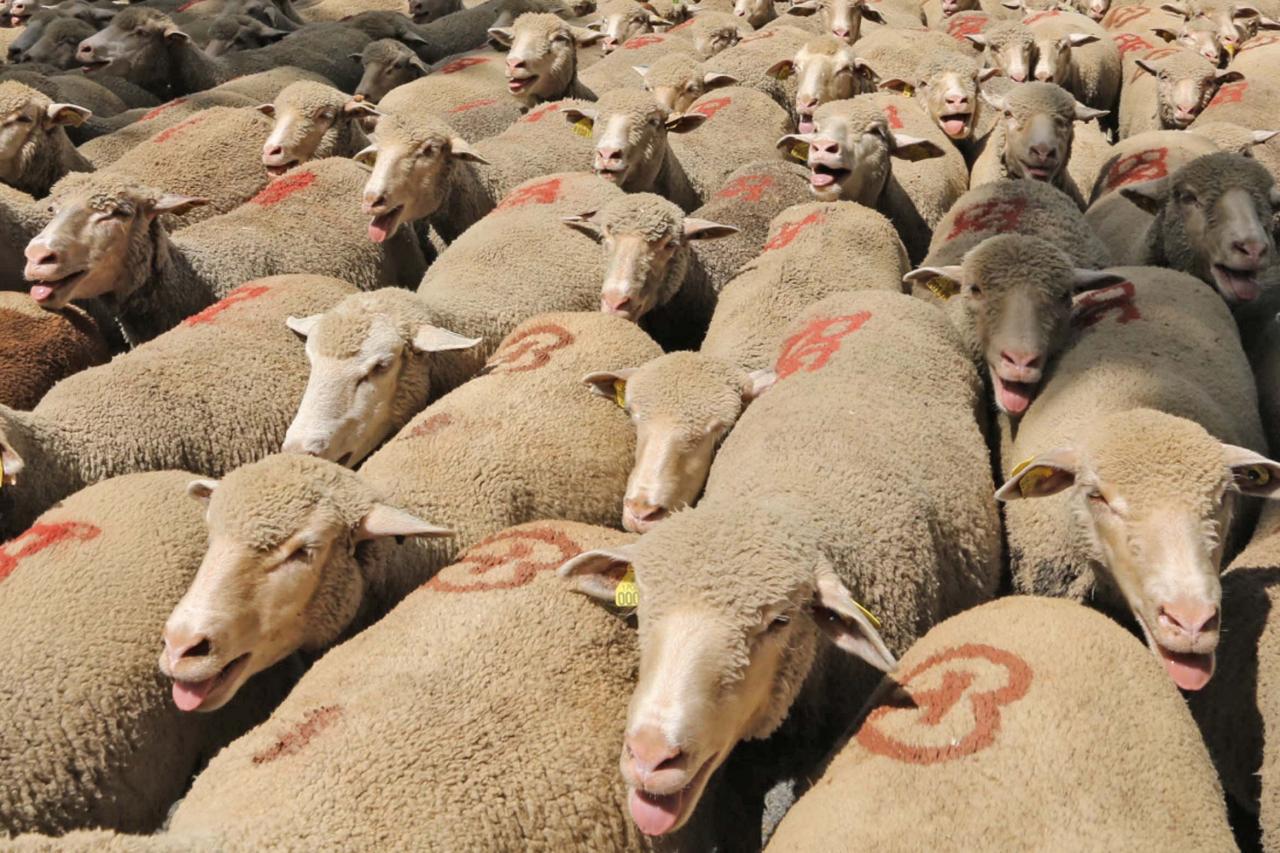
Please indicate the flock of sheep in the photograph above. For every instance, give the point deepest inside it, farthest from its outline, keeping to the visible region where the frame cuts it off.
(541, 426)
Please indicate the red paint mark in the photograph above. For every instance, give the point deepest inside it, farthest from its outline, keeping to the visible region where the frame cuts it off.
(529, 350)
(747, 187)
(243, 293)
(642, 41)
(39, 536)
(541, 113)
(895, 120)
(185, 6)
(544, 192)
(969, 25)
(684, 26)
(465, 62)
(1040, 16)
(1259, 41)
(1092, 306)
(298, 736)
(710, 108)
(1143, 166)
(474, 105)
(1117, 18)
(767, 34)
(930, 707)
(281, 188)
(432, 425)
(812, 347)
(791, 230)
(506, 561)
(182, 127)
(999, 216)
(162, 108)
(1231, 93)
(1128, 42)
(1151, 56)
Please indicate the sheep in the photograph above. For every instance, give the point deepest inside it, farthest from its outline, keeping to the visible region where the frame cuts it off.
(107, 108)
(105, 749)
(38, 23)
(1211, 220)
(849, 158)
(21, 218)
(755, 63)
(1035, 138)
(571, 463)
(840, 18)
(312, 121)
(387, 64)
(42, 347)
(777, 490)
(467, 92)
(1169, 93)
(618, 70)
(621, 20)
(1077, 54)
(425, 11)
(715, 32)
(34, 149)
(239, 32)
(54, 43)
(897, 53)
(756, 13)
(144, 124)
(1009, 46)
(678, 79)
(826, 69)
(1199, 35)
(1176, 379)
(1233, 23)
(106, 241)
(947, 88)
(542, 58)
(996, 690)
(468, 29)
(1251, 103)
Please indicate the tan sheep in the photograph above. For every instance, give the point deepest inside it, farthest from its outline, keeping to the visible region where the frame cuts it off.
(947, 86)
(142, 124)
(618, 69)
(779, 491)
(826, 69)
(897, 53)
(1168, 92)
(1007, 45)
(156, 407)
(387, 64)
(622, 20)
(312, 121)
(85, 588)
(839, 18)
(542, 58)
(1137, 448)
(21, 218)
(1014, 690)
(1253, 103)
(1077, 54)
(678, 79)
(468, 92)
(43, 347)
(715, 31)
(754, 63)
(34, 149)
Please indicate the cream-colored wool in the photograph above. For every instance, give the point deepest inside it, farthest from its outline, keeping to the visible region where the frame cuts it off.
(74, 87)
(749, 61)
(1093, 72)
(469, 92)
(308, 106)
(41, 347)
(715, 31)
(678, 79)
(91, 736)
(1143, 107)
(743, 125)
(44, 154)
(898, 53)
(387, 64)
(1004, 39)
(1253, 103)
(1167, 344)
(814, 250)
(142, 124)
(21, 218)
(549, 35)
(617, 70)
(998, 695)
(214, 393)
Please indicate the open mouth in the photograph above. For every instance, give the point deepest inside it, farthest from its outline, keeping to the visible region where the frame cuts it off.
(805, 123)
(1188, 670)
(516, 85)
(1039, 172)
(191, 695)
(1013, 397)
(658, 814)
(955, 125)
(822, 176)
(613, 172)
(96, 65)
(1237, 285)
(46, 292)
(277, 171)
(383, 225)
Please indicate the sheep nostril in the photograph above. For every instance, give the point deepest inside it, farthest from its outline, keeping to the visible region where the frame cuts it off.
(199, 650)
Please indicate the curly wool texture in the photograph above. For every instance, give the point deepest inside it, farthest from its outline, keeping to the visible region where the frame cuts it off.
(208, 396)
(744, 125)
(562, 452)
(74, 88)
(1142, 108)
(93, 738)
(1053, 734)
(688, 389)
(137, 126)
(617, 69)
(304, 99)
(830, 247)
(1095, 71)
(46, 155)
(473, 99)
(42, 347)
(21, 218)
(749, 62)
(896, 53)
(676, 71)
(1179, 355)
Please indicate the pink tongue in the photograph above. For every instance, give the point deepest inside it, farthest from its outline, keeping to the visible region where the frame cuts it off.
(821, 179)
(1013, 399)
(655, 815)
(1189, 672)
(41, 292)
(188, 695)
(805, 126)
(378, 229)
(1245, 289)
(953, 126)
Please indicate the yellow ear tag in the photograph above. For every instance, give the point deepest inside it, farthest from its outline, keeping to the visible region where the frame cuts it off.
(1020, 467)
(942, 287)
(1, 470)
(1230, 49)
(1257, 475)
(626, 593)
(868, 614)
(582, 127)
(909, 91)
(783, 73)
(1032, 479)
(620, 393)
(799, 152)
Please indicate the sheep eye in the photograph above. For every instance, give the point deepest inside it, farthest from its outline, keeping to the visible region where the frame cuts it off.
(1186, 197)
(778, 624)
(301, 554)
(975, 291)
(381, 367)
(1096, 499)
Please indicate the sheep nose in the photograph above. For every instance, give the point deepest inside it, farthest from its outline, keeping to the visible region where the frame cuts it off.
(39, 255)
(957, 101)
(273, 150)
(824, 146)
(840, 32)
(642, 511)
(1021, 360)
(1042, 152)
(1189, 617)
(806, 103)
(179, 645)
(648, 754)
(609, 43)
(1018, 76)
(610, 155)
(1254, 250)
(309, 446)
(85, 51)
(1044, 76)
(374, 202)
(516, 65)
(615, 303)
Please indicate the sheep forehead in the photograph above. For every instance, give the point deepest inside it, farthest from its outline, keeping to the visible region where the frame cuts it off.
(860, 115)
(636, 104)
(1008, 261)
(368, 324)
(102, 190)
(674, 69)
(412, 132)
(1186, 65)
(15, 97)
(541, 25)
(937, 65)
(822, 46)
(307, 96)
(1211, 175)
(136, 16)
(687, 387)
(1005, 33)
(62, 25)
(1156, 459)
(384, 50)
(264, 503)
(1030, 99)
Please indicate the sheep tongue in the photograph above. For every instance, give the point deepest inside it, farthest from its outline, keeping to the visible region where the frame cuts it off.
(1188, 671)
(188, 695)
(1243, 286)
(953, 126)
(380, 227)
(1015, 397)
(653, 814)
(41, 292)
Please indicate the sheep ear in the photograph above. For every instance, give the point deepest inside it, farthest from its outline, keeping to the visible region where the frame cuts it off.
(914, 148)
(356, 57)
(597, 573)
(366, 156)
(782, 69)
(1150, 196)
(610, 384)
(1261, 137)
(434, 339)
(502, 36)
(925, 275)
(201, 490)
(803, 8)
(896, 84)
(641, 70)
(583, 37)
(985, 74)
(460, 150)
(684, 122)
(583, 222)
(848, 624)
(1084, 113)
(177, 204)
(1228, 75)
(977, 38)
(659, 21)
(409, 39)
(1148, 67)
(67, 115)
(173, 34)
(11, 463)
(1011, 4)
(1165, 33)
(715, 80)
(758, 381)
(418, 65)
(1252, 473)
(1274, 197)
(268, 110)
(996, 102)
(1083, 279)
(1079, 39)
(1175, 9)
(702, 229)
(870, 14)
(596, 25)
(360, 109)
(1268, 24)
(1244, 10)
(382, 521)
(1041, 476)
(793, 139)
(303, 326)
(573, 116)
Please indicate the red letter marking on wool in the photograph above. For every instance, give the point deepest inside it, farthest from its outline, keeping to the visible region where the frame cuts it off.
(1040, 16)
(747, 187)
(684, 26)
(40, 536)
(767, 34)
(281, 188)
(243, 293)
(506, 560)
(998, 216)
(529, 350)
(1259, 41)
(300, 734)
(710, 108)
(1152, 56)
(1117, 18)
(971, 25)
(812, 347)
(895, 120)
(1142, 166)
(465, 62)
(791, 230)
(938, 725)
(162, 108)
(1096, 304)
(178, 129)
(1232, 93)
(1127, 42)
(541, 113)
(432, 425)
(545, 192)
(641, 41)
(474, 105)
